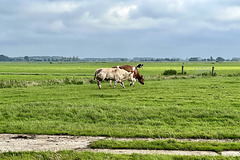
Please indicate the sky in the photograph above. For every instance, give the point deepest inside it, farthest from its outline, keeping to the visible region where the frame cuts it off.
(120, 28)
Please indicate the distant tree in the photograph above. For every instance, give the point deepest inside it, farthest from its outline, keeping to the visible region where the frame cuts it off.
(211, 58)
(26, 58)
(4, 58)
(194, 59)
(235, 59)
(220, 59)
(167, 59)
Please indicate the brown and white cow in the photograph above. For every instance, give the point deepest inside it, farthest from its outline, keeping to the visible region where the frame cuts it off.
(133, 70)
(114, 74)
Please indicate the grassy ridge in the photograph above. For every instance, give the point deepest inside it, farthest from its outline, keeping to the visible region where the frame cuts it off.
(167, 145)
(73, 155)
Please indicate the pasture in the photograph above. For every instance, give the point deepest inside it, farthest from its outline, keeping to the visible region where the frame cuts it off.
(62, 98)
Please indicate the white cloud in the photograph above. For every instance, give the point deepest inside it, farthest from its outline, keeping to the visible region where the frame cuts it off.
(57, 26)
(51, 7)
(177, 5)
(120, 14)
(54, 27)
(132, 22)
(229, 14)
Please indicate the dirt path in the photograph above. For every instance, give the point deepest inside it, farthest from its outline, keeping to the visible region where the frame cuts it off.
(24, 142)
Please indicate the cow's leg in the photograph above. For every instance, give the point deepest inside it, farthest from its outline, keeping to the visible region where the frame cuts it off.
(99, 84)
(110, 83)
(122, 84)
(115, 83)
(132, 83)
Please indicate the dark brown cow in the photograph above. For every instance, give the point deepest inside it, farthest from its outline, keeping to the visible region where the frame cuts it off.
(132, 69)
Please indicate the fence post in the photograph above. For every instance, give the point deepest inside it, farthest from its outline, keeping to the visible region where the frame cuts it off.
(212, 71)
(182, 70)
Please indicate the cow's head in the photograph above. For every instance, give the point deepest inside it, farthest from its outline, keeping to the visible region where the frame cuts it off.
(141, 80)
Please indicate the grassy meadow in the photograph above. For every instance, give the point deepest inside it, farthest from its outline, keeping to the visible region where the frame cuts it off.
(178, 107)
(62, 98)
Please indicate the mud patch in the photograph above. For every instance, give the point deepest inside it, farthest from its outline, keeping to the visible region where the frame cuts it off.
(24, 137)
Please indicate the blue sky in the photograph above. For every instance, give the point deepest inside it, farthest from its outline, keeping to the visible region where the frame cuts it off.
(120, 28)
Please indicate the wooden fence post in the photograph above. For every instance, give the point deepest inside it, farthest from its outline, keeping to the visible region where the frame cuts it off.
(212, 71)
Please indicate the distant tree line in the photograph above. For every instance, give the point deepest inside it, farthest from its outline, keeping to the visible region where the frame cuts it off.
(218, 59)
(77, 59)
(4, 58)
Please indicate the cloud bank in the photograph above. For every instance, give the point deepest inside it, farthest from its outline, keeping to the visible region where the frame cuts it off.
(123, 28)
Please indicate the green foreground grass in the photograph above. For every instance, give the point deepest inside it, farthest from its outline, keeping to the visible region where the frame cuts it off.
(65, 100)
(167, 145)
(195, 107)
(178, 108)
(73, 155)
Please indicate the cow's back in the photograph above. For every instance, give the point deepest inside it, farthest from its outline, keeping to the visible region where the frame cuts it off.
(125, 67)
(107, 74)
(129, 68)
(112, 73)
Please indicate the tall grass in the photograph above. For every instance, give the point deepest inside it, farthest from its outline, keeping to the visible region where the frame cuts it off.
(19, 83)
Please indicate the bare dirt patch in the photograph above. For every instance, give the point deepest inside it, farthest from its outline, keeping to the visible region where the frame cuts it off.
(25, 142)
(15, 142)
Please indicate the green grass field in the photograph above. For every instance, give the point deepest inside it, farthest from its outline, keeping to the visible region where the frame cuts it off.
(169, 144)
(73, 155)
(177, 107)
